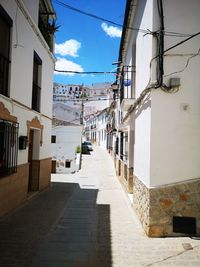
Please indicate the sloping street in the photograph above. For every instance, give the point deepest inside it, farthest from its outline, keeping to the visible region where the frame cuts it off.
(86, 219)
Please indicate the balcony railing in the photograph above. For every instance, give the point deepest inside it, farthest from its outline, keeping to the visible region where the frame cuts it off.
(36, 96)
(4, 70)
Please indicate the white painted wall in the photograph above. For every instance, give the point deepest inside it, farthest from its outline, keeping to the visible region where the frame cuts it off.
(33, 8)
(22, 66)
(21, 55)
(144, 53)
(167, 129)
(175, 131)
(67, 140)
(101, 130)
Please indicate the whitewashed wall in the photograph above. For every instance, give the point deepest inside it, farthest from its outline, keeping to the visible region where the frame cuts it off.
(21, 72)
(144, 52)
(67, 140)
(33, 8)
(175, 142)
(101, 130)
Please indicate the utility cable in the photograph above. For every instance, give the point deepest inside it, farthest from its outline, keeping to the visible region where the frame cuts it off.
(86, 72)
(167, 33)
(113, 72)
(96, 17)
(182, 42)
(82, 100)
(186, 65)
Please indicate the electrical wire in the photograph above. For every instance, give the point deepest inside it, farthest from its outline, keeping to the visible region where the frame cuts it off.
(182, 42)
(86, 72)
(166, 33)
(97, 17)
(81, 100)
(186, 65)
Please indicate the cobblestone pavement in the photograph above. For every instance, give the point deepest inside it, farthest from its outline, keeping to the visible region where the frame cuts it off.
(93, 226)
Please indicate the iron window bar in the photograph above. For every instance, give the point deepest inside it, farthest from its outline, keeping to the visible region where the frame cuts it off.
(8, 147)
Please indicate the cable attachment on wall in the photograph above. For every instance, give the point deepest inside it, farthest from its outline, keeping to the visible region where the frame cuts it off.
(16, 27)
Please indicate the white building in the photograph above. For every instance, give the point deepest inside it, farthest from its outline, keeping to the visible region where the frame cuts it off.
(101, 128)
(26, 72)
(66, 145)
(66, 93)
(68, 113)
(159, 129)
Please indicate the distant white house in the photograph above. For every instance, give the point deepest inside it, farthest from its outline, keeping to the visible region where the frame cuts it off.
(101, 128)
(66, 144)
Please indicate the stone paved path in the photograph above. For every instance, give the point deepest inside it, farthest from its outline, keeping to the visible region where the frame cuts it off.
(93, 225)
(99, 228)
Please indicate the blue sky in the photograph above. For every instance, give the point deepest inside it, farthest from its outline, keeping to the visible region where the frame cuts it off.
(87, 44)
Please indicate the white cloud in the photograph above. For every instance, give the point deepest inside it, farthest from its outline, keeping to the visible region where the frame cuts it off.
(111, 30)
(67, 65)
(69, 47)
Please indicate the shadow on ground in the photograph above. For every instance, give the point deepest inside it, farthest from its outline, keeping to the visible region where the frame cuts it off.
(62, 226)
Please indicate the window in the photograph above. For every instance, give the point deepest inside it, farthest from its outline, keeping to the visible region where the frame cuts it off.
(8, 147)
(117, 146)
(67, 164)
(53, 139)
(121, 145)
(36, 91)
(5, 25)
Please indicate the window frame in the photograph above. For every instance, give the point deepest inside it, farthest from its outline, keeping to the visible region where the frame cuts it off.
(36, 84)
(5, 59)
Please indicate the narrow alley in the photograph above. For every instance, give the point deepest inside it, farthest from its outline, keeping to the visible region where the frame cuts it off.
(86, 220)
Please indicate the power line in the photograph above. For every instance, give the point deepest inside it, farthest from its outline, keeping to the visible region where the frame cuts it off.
(185, 40)
(167, 33)
(86, 72)
(82, 100)
(96, 17)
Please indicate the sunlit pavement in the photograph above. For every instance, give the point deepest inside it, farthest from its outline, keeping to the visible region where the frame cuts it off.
(86, 220)
(99, 227)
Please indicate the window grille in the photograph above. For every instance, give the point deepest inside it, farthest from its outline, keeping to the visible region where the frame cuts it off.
(8, 147)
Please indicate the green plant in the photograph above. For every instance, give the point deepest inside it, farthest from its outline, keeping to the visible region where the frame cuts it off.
(78, 149)
(52, 27)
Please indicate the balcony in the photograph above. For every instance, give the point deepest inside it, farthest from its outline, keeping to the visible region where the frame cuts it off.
(46, 23)
(127, 103)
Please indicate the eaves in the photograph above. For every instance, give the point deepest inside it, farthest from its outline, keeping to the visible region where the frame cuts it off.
(129, 17)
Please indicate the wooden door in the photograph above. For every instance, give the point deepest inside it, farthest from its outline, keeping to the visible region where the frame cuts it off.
(30, 159)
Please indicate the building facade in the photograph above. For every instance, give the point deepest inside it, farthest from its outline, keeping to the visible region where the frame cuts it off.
(26, 85)
(66, 147)
(158, 114)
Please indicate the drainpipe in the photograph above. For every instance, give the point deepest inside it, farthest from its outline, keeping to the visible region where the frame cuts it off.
(160, 66)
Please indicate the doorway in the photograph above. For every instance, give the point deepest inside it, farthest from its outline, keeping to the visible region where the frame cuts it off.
(33, 160)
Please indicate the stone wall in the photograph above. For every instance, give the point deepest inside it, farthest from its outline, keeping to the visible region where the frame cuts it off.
(156, 207)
